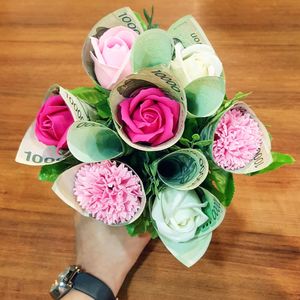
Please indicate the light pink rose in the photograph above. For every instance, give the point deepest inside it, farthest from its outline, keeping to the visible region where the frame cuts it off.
(112, 55)
(150, 117)
(52, 122)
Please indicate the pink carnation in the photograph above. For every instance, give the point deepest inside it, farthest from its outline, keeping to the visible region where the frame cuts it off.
(237, 139)
(108, 191)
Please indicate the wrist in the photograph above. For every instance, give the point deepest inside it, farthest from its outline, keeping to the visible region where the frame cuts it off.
(75, 283)
(73, 294)
(113, 277)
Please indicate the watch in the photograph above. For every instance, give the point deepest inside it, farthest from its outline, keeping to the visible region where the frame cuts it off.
(74, 278)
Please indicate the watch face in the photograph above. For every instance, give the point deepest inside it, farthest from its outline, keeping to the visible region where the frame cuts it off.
(64, 282)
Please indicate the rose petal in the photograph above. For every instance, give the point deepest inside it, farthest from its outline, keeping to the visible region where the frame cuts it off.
(114, 52)
(127, 34)
(104, 74)
(61, 122)
(128, 37)
(125, 116)
(144, 93)
(62, 144)
(168, 127)
(137, 137)
(154, 113)
(50, 110)
(53, 120)
(95, 44)
(172, 104)
(178, 214)
(45, 137)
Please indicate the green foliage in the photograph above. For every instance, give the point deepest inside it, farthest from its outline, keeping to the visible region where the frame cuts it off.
(220, 183)
(240, 96)
(51, 172)
(227, 103)
(149, 18)
(279, 160)
(194, 139)
(143, 224)
(96, 97)
(144, 164)
(142, 22)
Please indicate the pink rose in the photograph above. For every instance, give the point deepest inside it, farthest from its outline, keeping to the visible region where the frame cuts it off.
(112, 55)
(53, 121)
(150, 117)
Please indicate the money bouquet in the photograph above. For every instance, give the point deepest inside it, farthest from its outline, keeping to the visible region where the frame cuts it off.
(154, 144)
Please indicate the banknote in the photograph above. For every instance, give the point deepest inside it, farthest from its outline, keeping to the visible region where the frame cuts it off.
(159, 77)
(92, 142)
(205, 96)
(161, 45)
(191, 251)
(188, 253)
(64, 185)
(121, 17)
(183, 169)
(213, 209)
(263, 157)
(33, 152)
(187, 31)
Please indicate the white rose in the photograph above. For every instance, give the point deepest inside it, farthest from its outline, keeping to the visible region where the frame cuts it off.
(195, 61)
(178, 214)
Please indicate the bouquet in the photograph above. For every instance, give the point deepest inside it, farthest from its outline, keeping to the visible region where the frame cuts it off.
(154, 144)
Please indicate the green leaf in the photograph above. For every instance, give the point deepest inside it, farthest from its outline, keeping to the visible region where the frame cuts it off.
(87, 94)
(239, 96)
(227, 104)
(190, 127)
(205, 95)
(142, 22)
(141, 225)
(220, 183)
(96, 97)
(279, 160)
(196, 137)
(203, 143)
(51, 172)
(151, 48)
(185, 142)
(149, 18)
(103, 109)
(102, 90)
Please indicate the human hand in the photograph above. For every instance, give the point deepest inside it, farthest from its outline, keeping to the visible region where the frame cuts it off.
(106, 252)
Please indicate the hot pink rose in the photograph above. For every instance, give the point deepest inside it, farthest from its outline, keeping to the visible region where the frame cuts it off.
(112, 55)
(150, 117)
(52, 122)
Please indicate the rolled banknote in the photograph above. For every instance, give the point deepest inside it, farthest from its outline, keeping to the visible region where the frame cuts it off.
(33, 152)
(161, 45)
(121, 17)
(263, 157)
(214, 210)
(63, 187)
(187, 31)
(170, 208)
(158, 77)
(204, 87)
(93, 142)
(205, 96)
(184, 169)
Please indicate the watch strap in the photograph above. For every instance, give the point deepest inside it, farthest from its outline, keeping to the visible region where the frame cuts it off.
(92, 286)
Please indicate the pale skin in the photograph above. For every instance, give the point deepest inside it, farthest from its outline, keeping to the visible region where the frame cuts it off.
(105, 252)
